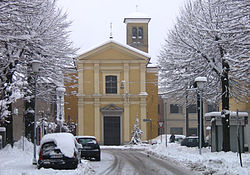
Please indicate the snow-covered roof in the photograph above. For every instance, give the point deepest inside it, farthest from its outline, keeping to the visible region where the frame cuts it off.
(232, 113)
(152, 65)
(120, 44)
(137, 17)
(143, 93)
(192, 137)
(64, 141)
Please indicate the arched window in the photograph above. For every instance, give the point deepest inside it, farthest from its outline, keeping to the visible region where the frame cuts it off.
(134, 32)
(111, 84)
(140, 33)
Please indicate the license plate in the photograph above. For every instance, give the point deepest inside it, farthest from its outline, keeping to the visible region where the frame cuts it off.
(46, 162)
(87, 147)
(56, 156)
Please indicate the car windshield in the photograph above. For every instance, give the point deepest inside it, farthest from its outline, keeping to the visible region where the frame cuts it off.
(192, 140)
(48, 147)
(85, 141)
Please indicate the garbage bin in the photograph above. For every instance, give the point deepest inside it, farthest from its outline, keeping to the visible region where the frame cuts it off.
(3, 136)
(236, 122)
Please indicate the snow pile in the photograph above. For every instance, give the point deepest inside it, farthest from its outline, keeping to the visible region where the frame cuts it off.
(16, 161)
(67, 148)
(206, 163)
(24, 144)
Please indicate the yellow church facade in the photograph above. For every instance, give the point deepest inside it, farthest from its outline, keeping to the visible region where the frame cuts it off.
(116, 86)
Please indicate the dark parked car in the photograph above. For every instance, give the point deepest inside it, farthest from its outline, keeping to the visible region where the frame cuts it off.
(59, 150)
(191, 141)
(90, 147)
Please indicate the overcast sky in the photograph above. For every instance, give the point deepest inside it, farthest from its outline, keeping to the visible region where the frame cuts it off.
(92, 18)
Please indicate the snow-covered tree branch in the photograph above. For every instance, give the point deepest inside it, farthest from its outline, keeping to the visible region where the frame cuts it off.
(136, 133)
(211, 39)
(32, 30)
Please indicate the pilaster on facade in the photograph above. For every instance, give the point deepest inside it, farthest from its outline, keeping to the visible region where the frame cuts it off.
(126, 78)
(96, 78)
(143, 106)
(80, 128)
(80, 80)
(126, 123)
(143, 78)
(97, 118)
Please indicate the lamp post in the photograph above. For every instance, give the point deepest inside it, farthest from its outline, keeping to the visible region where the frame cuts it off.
(35, 69)
(165, 120)
(200, 84)
(60, 115)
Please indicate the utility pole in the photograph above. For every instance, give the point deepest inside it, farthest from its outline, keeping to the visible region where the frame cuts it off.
(165, 120)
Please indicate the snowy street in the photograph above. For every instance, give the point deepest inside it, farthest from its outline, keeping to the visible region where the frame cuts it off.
(118, 161)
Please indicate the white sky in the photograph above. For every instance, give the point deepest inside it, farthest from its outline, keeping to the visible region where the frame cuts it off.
(92, 18)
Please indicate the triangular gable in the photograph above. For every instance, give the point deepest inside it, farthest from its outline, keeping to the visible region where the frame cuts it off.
(116, 45)
(111, 107)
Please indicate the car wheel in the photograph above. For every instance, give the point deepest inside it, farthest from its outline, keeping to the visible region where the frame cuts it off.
(74, 166)
(39, 166)
(98, 158)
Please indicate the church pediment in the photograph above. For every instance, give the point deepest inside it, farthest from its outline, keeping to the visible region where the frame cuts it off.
(111, 108)
(113, 50)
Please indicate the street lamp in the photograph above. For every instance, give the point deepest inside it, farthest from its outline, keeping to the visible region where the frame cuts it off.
(35, 69)
(60, 115)
(200, 81)
(150, 121)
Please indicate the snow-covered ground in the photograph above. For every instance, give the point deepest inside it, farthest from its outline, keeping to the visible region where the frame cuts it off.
(15, 161)
(219, 163)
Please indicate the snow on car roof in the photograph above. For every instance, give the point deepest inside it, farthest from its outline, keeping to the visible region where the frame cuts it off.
(64, 141)
(192, 137)
(93, 137)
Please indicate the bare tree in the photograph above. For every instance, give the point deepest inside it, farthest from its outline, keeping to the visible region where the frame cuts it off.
(210, 38)
(32, 30)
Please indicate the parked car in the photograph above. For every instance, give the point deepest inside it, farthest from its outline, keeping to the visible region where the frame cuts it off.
(90, 147)
(191, 141)
(59, 150)
(179, 138)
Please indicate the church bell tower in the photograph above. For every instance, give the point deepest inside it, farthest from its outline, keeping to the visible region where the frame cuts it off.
(137, 30)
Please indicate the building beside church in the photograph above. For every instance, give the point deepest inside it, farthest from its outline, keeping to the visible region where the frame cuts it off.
(116, 85)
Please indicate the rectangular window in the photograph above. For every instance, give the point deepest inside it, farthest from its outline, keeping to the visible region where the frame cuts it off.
(134, 32)
(192, 131)
(176, 130)
(111, 84)
(212, 108)
(175, 108)
(192, 108)
(140, 33)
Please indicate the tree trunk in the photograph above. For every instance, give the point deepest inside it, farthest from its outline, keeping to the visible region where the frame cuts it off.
(9, 125)
(225, 107)
(29, 117)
